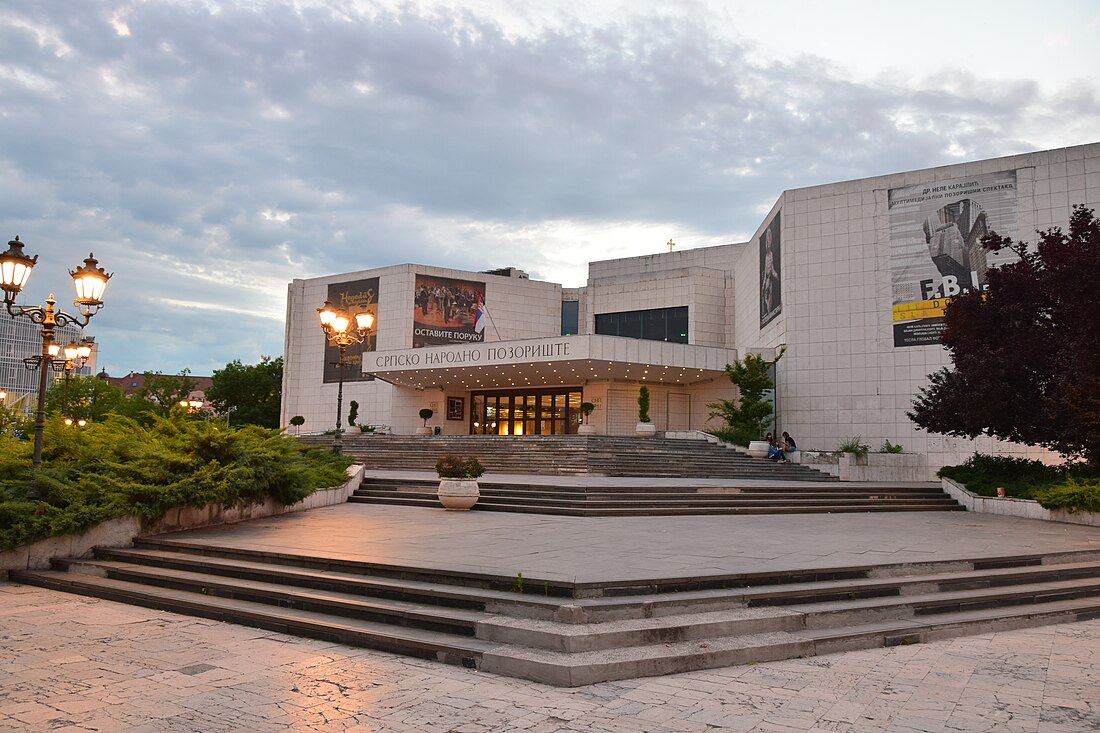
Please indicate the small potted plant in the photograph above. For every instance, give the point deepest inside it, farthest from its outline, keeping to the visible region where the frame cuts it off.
(586, 410)
(425, 415)
(458, 489)
(297, 421)
(644, 427)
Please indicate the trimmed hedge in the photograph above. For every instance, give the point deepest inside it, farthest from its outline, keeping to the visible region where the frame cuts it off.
(1073, 486)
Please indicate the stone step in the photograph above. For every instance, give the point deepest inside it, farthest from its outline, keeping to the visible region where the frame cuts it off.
(414, 642)
(642, 511)
(589, 632)
(479, 592)
(490, 501)
(572, 455)
(584, 668)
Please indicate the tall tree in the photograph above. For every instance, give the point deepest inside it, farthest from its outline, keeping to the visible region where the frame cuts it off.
(166, 390)
(93, 398)
(249, 393)
(1026, 353)
(748, 417)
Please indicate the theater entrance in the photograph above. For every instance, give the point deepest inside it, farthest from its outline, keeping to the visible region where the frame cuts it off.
(526, 412)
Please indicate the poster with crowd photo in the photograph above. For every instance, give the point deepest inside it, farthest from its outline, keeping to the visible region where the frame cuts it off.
(771, 298)
(446, 311)
(355, 297)
(936, 250)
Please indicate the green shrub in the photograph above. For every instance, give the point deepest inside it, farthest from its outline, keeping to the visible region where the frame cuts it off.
(643, 404)
(1020, 477)
(1074, 495)
(452, 466)
(888, 447)
(853, 446)
(730, 435)
(119, 467)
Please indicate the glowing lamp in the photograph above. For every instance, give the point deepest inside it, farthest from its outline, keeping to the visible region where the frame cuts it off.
(15, 269)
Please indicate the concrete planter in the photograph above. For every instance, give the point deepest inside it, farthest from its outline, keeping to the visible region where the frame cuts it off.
(758, 449)
(458, 494)
(645, 429)
(1010, 506)
(423, 431)
(586, 430)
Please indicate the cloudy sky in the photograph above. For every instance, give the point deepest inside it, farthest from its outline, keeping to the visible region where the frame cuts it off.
(209, 152)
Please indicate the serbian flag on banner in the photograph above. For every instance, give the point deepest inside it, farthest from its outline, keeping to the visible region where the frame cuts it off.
(479, 322)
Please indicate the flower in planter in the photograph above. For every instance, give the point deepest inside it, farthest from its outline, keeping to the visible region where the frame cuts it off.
(453, 466)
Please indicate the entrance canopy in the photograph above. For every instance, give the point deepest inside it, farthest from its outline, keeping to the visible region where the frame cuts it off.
(549, 361)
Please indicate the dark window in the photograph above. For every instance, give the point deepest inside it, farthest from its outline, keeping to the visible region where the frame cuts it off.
(659, 324)
(570, 316)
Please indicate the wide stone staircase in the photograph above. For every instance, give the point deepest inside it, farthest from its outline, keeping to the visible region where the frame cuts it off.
(572, 634)
(680, 498)
(569, 455)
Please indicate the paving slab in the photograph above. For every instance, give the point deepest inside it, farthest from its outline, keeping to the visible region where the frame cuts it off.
(603, 549)
(72, 663)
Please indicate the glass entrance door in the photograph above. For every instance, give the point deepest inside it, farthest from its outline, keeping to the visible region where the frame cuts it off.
(527, 412)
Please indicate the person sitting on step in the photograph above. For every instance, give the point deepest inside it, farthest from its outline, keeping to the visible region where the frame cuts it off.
(787, 445)
(773, 449)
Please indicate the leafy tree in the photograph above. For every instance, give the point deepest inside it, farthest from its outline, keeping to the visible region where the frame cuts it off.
(748, 418)
(250, 391)
(165, 391)
(93, 399)
(1026, 353)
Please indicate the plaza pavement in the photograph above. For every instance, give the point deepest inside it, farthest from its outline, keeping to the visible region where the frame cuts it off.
(79, 664)
(593, 549)
(69, 663)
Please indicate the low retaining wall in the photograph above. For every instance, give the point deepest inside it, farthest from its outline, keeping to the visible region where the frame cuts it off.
(121, 532)
(885, 467)
(1012, 507)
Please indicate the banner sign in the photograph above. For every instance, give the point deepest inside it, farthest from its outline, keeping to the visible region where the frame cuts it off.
(448, 311)
(771, 298)
(936, 250)
(355, 297)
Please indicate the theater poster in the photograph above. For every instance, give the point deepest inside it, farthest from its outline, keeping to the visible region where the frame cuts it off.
(771, 298)
(448, 311)
(361, 295)
(936, 250)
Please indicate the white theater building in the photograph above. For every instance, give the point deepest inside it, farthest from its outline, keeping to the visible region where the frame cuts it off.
(849, 277)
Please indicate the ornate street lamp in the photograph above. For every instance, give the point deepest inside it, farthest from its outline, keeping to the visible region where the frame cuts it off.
(90, 281)
(338, 326)
(76, 355)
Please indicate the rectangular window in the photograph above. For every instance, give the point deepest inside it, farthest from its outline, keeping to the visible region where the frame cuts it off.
(570, 317)
(657, 324)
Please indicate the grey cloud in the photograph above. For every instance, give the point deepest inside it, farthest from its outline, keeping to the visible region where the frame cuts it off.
(181, 134)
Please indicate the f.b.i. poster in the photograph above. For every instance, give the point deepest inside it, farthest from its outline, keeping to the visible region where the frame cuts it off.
(936, 251)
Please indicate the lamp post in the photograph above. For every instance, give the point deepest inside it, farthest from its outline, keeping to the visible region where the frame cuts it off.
(90, 281)
(338, 328)
(76, 355)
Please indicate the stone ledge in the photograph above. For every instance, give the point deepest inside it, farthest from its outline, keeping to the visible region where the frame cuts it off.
(121, 531)
(885, 467)
(1012, 507)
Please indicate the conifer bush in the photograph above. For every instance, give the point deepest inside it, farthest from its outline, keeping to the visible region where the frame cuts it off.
(119, 467)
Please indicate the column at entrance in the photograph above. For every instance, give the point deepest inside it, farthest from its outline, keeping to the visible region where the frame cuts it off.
(547, 411)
